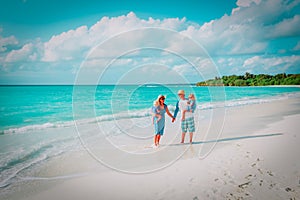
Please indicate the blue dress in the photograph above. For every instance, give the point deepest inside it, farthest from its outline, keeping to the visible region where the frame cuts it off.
(160, 125)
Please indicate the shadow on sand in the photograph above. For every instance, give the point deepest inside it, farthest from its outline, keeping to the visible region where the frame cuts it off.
(230, 139)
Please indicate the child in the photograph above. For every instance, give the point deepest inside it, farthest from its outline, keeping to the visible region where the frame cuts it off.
(191, 106)
(192, 103)
(156, 111)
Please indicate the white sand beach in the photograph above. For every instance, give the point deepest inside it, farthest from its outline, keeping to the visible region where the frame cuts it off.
(255, 157)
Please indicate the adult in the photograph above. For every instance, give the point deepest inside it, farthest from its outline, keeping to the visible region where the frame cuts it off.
(187, 123)
(159, 118)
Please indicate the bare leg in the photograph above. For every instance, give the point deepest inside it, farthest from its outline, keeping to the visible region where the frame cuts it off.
(155, 139)
(182, 137)
(158, 139)
(191, 137)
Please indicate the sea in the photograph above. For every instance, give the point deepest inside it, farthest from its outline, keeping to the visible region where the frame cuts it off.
(37, 122)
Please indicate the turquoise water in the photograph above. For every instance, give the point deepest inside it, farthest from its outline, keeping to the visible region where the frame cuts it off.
(50, 106)
(37, 122)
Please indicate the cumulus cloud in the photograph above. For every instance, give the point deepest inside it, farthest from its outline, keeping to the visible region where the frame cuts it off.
(271, 64)
(247, 31)
(183, 69)
(247, 3)
(74, 44)
(5, 41)
(259, 64)
(67, 45)
(23, 54)
(286, 28)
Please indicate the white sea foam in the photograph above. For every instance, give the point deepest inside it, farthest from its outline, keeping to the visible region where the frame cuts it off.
(146, 112)
(14, 163)
(25, 129)
(246, 101)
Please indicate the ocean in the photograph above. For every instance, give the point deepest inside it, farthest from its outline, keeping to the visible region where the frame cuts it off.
(37, 122)
(26, 108)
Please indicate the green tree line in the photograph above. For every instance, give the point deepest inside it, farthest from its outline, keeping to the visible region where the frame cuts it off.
(253, 80)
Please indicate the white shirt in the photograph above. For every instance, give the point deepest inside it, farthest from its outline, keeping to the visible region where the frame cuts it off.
(183, 104)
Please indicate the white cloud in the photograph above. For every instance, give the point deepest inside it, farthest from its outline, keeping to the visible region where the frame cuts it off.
(251, 61)
(5, 41)
(67, 45)
(271, 64)
(285, 28)
(246, 31)
(74, 44)
(259, 64)
(242, 32)
(183, 69)
(247, 3)
(23, 54)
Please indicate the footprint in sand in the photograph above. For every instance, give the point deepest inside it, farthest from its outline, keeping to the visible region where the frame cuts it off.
(258, 159)
(249, 176)
(261, 172)
(270, 173)
(261, 182)
(289, 189)
(272, 185)
(244, 185)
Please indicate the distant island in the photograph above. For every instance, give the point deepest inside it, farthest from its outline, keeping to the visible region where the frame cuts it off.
(253, 80)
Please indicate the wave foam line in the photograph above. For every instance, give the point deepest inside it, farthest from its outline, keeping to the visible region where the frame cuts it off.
(35, 178)
(14, 174)
(146, 113)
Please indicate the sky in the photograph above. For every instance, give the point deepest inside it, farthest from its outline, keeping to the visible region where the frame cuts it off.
(61, 42)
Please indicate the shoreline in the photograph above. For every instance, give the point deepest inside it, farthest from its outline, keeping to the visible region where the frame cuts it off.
(19, 129)
(227, 168)
(283, 85)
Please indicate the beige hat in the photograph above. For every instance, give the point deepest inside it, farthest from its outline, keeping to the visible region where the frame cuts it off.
(156, 102)
(180, 92)
(160, 96)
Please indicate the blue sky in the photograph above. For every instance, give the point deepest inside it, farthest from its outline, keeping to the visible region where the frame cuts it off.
(26, 18)
(46, 42)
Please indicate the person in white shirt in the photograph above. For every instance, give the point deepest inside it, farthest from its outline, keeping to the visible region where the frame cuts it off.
(187, 123)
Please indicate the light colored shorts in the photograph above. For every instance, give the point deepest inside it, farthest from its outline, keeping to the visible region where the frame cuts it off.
(188, 124)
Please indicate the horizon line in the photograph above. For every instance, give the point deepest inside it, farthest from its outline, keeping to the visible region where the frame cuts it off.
(94, 84)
